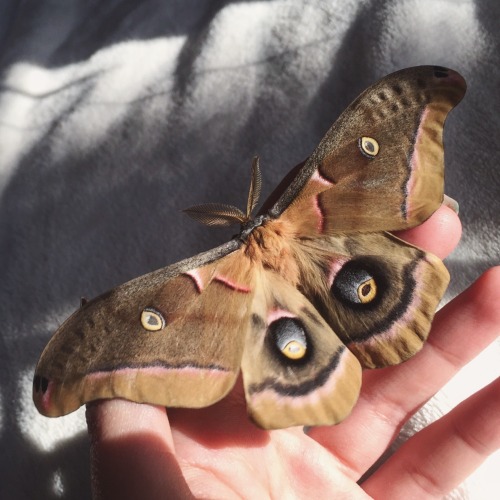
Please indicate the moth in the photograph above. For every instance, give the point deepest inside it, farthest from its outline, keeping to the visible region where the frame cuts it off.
(311, 291)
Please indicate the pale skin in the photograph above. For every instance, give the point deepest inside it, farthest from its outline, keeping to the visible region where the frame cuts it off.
(142, 451)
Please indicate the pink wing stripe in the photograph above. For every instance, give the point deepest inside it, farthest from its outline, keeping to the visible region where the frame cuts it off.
(319, 213)
(335, 266)
(319, 178)
(415, 163)
(275, 314)
(231, 284)
(196, 277)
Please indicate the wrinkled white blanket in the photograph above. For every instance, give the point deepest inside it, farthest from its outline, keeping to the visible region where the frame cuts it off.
(116, 114)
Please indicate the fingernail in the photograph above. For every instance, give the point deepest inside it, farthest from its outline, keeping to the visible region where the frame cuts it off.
(451, 203)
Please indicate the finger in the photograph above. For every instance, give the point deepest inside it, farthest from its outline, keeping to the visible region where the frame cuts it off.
(132, 453)
(440, 457)
(439, 234)
(390, 396)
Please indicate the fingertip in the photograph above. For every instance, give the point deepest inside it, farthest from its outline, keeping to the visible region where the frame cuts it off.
(439, 234)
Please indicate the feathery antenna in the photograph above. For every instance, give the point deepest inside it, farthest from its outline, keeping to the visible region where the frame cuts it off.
(219, 214)
(255, 187)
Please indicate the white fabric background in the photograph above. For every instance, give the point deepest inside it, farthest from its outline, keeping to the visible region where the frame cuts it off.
(114, 115)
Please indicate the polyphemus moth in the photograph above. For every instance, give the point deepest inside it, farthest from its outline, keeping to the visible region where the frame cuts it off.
(312, 289)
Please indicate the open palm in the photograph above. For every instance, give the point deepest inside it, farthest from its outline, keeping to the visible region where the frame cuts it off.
(142, 451)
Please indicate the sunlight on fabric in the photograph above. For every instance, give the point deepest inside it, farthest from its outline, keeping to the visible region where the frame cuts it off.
(455, 32)
(248, 21)
(247, 24)
(239, 43)
(57, 484)
(68, 101)
(45, 433)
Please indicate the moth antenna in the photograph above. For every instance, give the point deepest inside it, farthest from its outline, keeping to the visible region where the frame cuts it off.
(255, 187)
(83, 301)
(216, 214)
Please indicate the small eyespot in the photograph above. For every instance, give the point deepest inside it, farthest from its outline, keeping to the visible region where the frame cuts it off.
(368, 146)
(152, 320)
(367, 291)
(289, 336)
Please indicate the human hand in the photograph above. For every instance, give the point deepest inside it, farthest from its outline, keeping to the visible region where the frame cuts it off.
(143, 451)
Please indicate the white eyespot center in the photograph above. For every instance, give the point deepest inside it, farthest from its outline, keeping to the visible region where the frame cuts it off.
(152, 320)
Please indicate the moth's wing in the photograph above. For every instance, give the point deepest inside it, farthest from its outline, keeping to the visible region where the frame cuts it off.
(173, 337)
(341, 187)
(295, 369)
(378, 293)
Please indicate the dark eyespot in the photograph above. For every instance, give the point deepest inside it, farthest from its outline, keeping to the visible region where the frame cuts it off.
(40, 383)
(368, 146)
(289, 336)
(440, 72)
(358, 283)
(152, 320)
